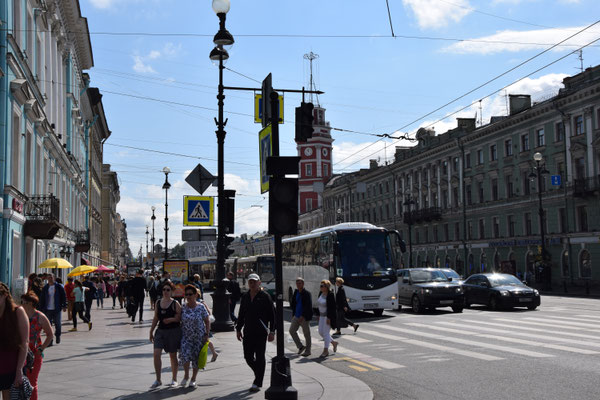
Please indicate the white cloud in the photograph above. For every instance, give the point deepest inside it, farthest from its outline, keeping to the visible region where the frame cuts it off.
(436, 14)
(350, 156)
(141, 67)
(514, 41)
(141, 63)
(103, 4)
(154, 54)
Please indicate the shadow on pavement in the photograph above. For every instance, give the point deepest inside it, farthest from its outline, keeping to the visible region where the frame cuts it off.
(166, 392)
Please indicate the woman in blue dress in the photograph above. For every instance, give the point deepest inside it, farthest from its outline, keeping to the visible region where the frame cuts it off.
(195, 326)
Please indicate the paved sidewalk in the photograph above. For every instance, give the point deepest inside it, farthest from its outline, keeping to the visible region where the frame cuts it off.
(114, 361)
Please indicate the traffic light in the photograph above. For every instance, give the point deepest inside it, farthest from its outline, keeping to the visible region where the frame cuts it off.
(227, 240)
(283, 206)
(304, 122)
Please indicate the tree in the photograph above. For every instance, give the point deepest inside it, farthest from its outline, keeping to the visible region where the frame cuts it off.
(177, 252)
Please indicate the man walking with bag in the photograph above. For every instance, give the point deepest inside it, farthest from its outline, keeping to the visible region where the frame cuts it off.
(302, 314)
(257, 318)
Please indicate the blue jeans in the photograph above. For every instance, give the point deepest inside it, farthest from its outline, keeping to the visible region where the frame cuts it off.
(100, 298)
(55, 317)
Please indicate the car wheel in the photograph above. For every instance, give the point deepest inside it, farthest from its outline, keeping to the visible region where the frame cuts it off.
(467, 304)
(493, 303)
(457, 309)
(399, 307)
(378, 312)
(416, 305)
(531, 307)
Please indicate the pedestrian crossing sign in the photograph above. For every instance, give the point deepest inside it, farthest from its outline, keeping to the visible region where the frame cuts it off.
(198, 210)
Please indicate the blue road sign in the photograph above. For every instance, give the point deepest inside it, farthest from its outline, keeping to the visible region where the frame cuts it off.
(555, 180)
(198, 210)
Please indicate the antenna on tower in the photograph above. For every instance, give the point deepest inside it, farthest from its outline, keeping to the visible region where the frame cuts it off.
(580, 60)
(480, 114)
(312, 87)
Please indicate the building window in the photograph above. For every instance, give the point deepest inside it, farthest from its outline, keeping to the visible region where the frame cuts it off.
(455, 165)
(508, 148)
(309, 204)
(325, 170)
(582, 218)
(527, 220)
(480, 190)
(510, 222)
(479, 157)
(585, 264)
(308, 169)
(562, 219)
(496, 225)
(493, 152)
(446, 233)
(469, 197)
(579, 125)
(525, 142)
(455, 196)
(445, 168)
(445, 198)
(456, 231)
(435, 234)
(540, 137)
(526, 183)
(468, 160)
(470, 230)
(559, 131)
(481, 229)
(509, 186)
(494, 189)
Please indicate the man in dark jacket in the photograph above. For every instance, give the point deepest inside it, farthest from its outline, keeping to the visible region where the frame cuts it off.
(301, 304)
(137, 290)
(233, 287)
(257, 318)
(89, 296)
(53, 302)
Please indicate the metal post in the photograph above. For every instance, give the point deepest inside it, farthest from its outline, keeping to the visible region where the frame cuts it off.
(153, 218)
(147, 246)
(545, 283)
(166, 187)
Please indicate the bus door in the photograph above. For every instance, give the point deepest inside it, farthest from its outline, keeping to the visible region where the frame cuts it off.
(397, 248)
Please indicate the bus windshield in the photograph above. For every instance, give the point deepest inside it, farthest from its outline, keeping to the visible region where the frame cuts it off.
(365, 253)
(266, 267)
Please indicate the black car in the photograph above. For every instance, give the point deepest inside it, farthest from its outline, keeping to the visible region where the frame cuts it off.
(423, 288)
(452, 275)
(499, 291)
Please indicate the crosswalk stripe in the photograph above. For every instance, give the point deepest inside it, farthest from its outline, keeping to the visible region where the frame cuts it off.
(359, 369)
(361, 363)
(529, 335)
(530, 329)
(582, 319)
(505, 339)
(369, 359)
(567, 327)
(433, 346)
(573, 324)
(471, 343)
(355, 339)
(589, 316)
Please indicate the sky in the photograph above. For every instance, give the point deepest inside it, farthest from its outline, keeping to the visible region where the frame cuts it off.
(422, 64)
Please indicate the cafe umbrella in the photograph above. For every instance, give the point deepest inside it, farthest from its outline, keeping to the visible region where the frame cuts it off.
(82, 270)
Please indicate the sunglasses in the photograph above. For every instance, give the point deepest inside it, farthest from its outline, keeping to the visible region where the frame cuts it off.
(323, 285)
(190, 294)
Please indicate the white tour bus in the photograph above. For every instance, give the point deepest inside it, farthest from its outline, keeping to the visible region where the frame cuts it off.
(364, 255)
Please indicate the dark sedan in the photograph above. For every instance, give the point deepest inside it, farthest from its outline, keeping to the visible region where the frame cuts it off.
(428, 288)
(499, 291)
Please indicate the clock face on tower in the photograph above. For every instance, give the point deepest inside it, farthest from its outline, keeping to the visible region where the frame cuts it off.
(325, 152)
(308, 151)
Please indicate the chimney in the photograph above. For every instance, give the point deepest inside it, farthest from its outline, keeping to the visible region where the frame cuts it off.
(466, 124)
(519, 102)
(373, 164)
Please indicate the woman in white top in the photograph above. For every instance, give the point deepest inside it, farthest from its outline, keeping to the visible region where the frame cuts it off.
(327, 317)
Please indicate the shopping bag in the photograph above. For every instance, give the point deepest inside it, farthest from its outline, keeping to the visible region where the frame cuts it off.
(203, 355)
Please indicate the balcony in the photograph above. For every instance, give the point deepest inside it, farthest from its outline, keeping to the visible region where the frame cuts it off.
(82, 241)
(586, 186)
(422, 215)
(42, 217)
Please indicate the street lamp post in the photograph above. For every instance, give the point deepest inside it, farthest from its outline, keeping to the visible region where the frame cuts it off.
(539, 170)
(152, 240)
(219, 54)
(408, 201)
(147, 246)
(166, 186)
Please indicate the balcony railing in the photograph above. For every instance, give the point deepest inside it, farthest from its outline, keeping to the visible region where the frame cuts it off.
(586, 186)
(422, 215)
(82, 241)
(42, 217)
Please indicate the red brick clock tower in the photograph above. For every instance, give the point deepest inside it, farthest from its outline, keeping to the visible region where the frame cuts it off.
(315, 163)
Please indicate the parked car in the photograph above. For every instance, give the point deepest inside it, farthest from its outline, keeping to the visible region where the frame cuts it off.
(499, 291)
(452, 275)
(430, 288)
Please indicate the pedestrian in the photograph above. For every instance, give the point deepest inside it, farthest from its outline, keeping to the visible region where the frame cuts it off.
(198, 283)
(302, 314)
(100, 290)
(234, 288)
(257, 318)
(14, 340)
(53, 301)
(121, 290)
(112, 291)
(70, 298)
(38, 322)
(211, 346)
(88, 296)
(38, 285)
(79, 306)
(166, 277)
(342, 307)
(152, 292)
(167, 314)
(195, 326)
(138, 290)
(327, 317)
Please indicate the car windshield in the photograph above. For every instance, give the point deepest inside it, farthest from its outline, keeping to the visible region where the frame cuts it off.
(450, 273)
(427, 276)
(504, 280)
(365, 253)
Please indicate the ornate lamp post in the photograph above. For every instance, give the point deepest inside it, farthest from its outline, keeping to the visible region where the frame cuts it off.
(147, 246)
(538, 172)
(166, 186)
(152, 239)
(408, 219)
(220, 296)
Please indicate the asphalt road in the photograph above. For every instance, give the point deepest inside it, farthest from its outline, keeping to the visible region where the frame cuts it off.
(550, 353)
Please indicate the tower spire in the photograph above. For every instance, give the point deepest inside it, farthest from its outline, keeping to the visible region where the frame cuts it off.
(312, 87)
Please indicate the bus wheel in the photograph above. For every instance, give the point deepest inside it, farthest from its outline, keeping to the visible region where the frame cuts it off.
(378, 312)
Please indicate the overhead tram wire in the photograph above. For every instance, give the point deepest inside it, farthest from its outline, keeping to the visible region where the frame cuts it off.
(485, 84)
(492, 93)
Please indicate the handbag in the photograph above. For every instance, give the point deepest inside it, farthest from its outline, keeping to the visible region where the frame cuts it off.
(29, 360)
(22, 392)
(203, 355)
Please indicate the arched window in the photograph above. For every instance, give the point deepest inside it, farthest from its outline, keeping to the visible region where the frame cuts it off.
(483, 262)
(565, 263)
(585, 264)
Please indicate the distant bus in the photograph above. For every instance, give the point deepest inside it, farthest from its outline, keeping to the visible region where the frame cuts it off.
(364, 255)
(205, 267)
(263, 265)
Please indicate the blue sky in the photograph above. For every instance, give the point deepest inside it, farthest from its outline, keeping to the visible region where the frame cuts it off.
(374, 83)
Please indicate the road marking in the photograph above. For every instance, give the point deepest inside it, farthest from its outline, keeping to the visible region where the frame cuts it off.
(470, 342)
(361, 363)
(572, 328)
(356, 339)
(359, 369)
(369, 359)
(506, 339)
(434, 346)
(589, 316)
(526, 328)
(578, 325)
(583, 319)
